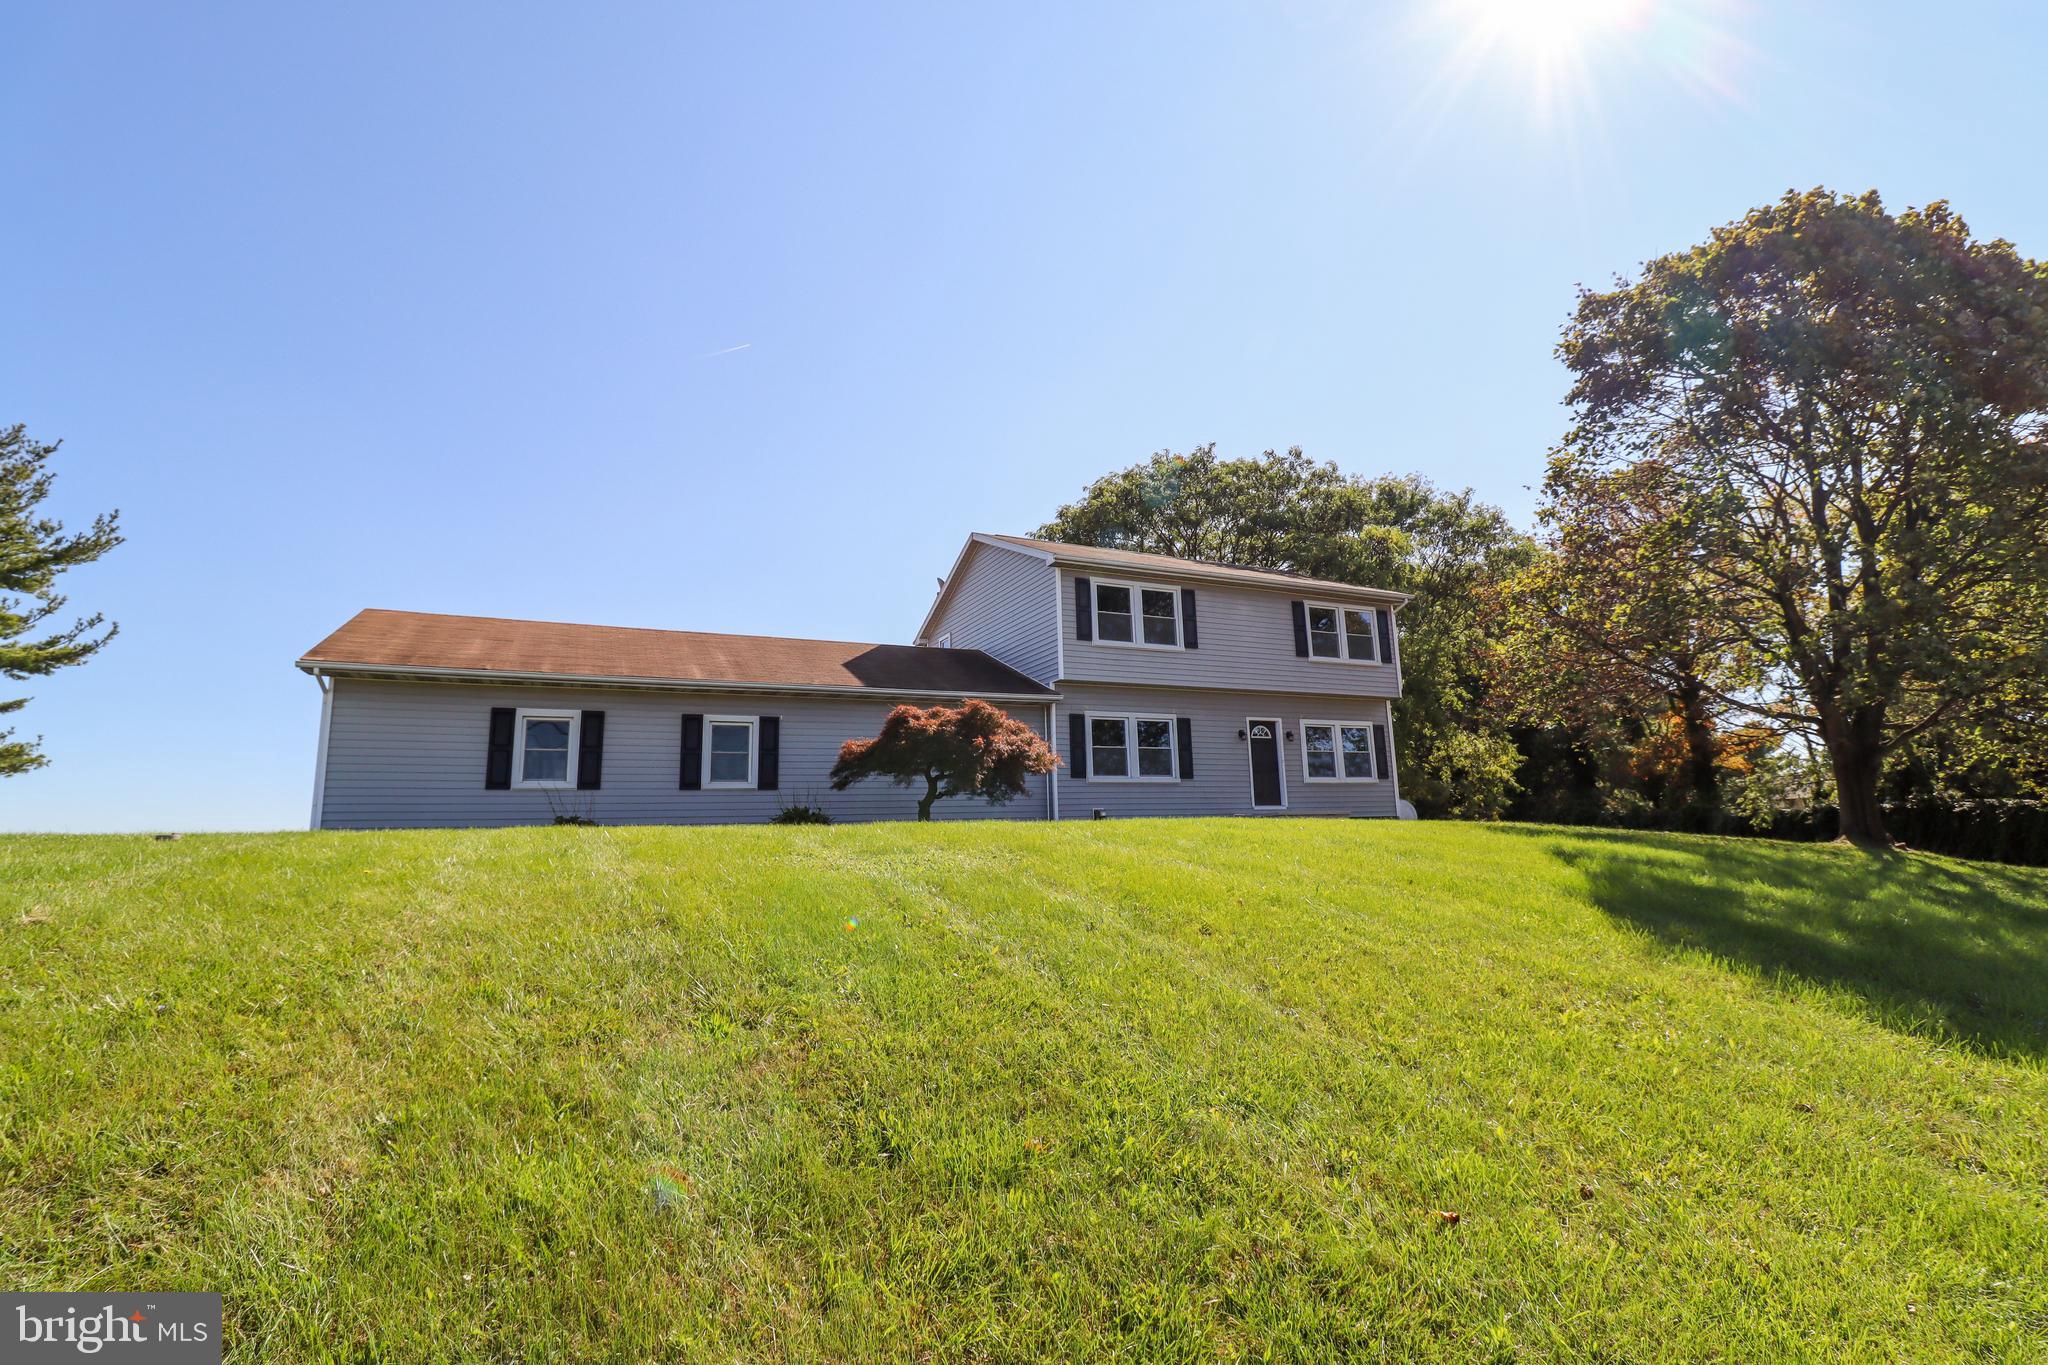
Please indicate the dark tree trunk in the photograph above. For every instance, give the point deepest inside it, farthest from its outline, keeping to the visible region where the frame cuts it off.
(931, 794)
(1702, 748)
(1855, 751)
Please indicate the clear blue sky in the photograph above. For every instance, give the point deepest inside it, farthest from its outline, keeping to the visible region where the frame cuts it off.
(739, 317)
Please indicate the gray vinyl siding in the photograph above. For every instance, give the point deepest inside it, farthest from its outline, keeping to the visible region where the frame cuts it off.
(1002, 603)
(1245, 641)
(1222, 783)
(404, 754)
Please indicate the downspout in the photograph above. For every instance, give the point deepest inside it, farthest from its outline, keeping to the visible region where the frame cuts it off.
(320, 758)
(1393, 749)
(1394, 766)
(1394, 639)
(1052, 779)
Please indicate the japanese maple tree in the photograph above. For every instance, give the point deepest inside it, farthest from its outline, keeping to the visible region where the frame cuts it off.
(973, 749)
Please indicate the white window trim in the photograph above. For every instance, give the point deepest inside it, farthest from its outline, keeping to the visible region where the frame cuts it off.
(1337, 727)
(1130, 720)
(753, 724)
(1251, 765)
(1343, 654)
(946, 640)
(519, 719)
(1137, 589)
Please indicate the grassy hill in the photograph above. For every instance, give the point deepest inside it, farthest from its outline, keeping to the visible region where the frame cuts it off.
(1135, 1090)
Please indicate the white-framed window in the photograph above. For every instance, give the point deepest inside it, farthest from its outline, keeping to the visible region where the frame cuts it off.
(544, 747)
(731, 753)
(946, 640)
(1132, 748)
(1336, 751)
(1144, 614)
(1350, 634)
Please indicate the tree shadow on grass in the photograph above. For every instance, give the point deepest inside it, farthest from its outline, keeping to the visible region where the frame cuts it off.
(1932, 946)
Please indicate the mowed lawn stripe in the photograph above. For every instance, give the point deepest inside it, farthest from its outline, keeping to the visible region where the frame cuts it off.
(1658, 1050)
(1128, 1090)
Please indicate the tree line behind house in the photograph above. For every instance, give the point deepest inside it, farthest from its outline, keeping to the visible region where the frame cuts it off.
(1790, 572)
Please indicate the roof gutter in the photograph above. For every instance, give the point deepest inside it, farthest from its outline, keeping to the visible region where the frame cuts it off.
(1206, 573)
(1312, 588)
(331, 668)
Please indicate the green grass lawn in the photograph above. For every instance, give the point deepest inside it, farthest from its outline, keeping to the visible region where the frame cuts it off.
(1130, 1090)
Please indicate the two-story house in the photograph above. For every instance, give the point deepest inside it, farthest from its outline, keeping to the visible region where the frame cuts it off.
(1167, 687)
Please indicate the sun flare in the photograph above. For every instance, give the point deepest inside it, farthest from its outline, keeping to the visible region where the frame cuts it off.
(1559, 61)
(1546, 29)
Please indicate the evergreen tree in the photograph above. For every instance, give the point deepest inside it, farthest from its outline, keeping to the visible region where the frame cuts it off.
(34, 550)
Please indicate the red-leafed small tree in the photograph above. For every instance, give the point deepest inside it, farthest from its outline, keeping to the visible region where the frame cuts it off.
(973, 749)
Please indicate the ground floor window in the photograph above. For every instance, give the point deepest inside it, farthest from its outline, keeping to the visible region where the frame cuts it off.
(1131, 747)
(542, 742)
(1336, 751)
(729, 751)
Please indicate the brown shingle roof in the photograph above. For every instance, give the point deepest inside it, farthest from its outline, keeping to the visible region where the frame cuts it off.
(481, 645)
(1139, 561)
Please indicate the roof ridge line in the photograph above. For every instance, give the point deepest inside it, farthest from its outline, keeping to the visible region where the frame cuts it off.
(649, 630)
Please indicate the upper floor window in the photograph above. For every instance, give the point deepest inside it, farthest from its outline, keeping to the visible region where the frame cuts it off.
(543, 741)
(1137, 613)
(1342, 633)
(946, 640)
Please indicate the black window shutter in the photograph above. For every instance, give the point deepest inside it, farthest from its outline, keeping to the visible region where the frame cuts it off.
(1187, 617)
(1379, 752)
(1386, 636)
(498, 756)
(693, 754)
(1084, 610)
(1187, 747)
(1301, 628)
(1077, 745)
(768, 763)
(590, 752)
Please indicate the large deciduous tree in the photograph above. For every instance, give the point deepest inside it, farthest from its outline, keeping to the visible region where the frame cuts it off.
(973, 749)
(1827, 423)
(1286, 511)
(34, 551)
